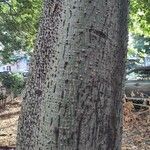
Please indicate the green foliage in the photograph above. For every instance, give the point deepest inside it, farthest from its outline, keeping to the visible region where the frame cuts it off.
(140, 17)
(142, 44)
(139, 46)
(2, 97)
(13, 82)
(18, 84)
(19, 21)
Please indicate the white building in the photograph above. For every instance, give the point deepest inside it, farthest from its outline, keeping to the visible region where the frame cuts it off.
(147, 61)
(21, 64)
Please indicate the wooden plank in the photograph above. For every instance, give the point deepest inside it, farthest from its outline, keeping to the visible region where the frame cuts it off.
(142, 105)
(137, 99)
(7, 148)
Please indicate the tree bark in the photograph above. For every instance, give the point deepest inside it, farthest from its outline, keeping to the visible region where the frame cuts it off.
(27, 138)
(82, 109)
(80, 105)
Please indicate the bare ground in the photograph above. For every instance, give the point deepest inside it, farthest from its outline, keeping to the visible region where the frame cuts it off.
(136, 131)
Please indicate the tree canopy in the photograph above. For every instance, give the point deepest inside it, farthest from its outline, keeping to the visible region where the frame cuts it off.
(140, 17)
(19, 21)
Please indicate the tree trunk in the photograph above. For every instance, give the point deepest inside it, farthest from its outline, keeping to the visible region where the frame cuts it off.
(27, 138)
(80, 101)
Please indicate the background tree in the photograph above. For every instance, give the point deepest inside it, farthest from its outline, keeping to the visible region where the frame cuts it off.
(73, 98)
(140, 17)
(138, 50)
(141, 43)
(19, 20)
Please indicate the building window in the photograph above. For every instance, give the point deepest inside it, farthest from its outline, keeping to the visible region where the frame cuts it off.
(3, 68)
(8, 68)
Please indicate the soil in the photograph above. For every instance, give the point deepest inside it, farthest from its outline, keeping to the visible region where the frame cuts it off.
(136, 131)
(136, 127)
(8, 123)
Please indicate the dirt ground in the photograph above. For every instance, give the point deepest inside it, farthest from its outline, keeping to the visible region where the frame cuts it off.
(136, 131)
(8, 123)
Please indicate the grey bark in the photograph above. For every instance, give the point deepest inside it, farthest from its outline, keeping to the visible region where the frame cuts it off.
(27, 138)
(81, 100)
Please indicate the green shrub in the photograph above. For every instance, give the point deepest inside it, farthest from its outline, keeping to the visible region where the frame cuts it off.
(13, 82)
